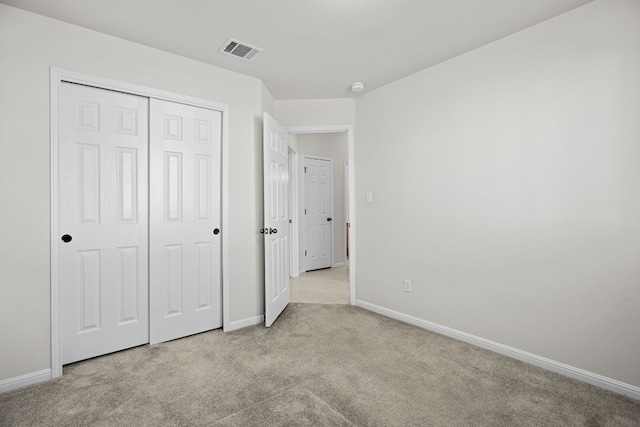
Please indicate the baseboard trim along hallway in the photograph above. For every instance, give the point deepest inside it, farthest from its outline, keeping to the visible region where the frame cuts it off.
(541, 362)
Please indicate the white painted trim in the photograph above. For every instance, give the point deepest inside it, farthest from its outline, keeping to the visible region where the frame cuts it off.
(542, 362)
(56, 365)
(25, 380)
(239, 324)
(352, 217)
(133, 89)
(59, 75)
(225, 226)
(294, 207)
(346, 191)
(339, 264)
(320, 129)
(352, 192)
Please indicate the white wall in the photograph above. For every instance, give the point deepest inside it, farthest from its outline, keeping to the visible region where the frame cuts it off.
(29, 45)
(508, 182)
(335, 147)
(315, 112)
(268, 103)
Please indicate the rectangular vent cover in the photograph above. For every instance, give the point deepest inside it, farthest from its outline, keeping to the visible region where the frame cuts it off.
(240, 50)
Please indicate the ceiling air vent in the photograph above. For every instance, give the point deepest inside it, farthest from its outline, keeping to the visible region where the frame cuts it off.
(240, 49)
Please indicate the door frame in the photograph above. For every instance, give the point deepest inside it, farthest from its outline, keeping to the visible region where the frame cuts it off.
(294, 268)
(304, 203)
(347, 198)
(348, 129)
(57, 77)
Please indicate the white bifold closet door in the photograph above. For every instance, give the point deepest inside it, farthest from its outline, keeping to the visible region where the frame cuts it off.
(185, 235)
(103, 221)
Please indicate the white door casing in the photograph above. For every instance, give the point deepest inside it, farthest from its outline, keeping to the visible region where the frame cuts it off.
(294, 269)
(103, 280)
(318, 221)
(185, 220)
(276, 219)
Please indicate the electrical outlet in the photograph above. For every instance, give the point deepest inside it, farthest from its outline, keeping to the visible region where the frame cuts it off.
(407, 285)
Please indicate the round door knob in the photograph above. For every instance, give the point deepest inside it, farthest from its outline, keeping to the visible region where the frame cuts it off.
(273, 230)
(66, 238)
(263, 230)
(216, 231)
(329, 219)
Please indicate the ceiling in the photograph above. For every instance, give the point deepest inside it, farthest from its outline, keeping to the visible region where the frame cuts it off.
(312, 48)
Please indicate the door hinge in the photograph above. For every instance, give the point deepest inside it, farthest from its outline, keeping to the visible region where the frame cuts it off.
(305, 211)
(305, 169)
(305, 253)
(290, 221)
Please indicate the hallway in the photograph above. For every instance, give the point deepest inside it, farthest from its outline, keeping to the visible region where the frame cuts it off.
(328, 286)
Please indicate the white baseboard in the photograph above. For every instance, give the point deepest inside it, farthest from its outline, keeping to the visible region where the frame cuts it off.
(542, 362)
(25, 380)
(339, 264)
(239, 324)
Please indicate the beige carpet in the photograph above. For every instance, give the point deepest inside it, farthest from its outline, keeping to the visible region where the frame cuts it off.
(319, 365)
(328, 286)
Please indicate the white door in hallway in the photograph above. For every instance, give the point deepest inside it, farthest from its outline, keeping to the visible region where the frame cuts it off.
(276, 219)
(103, 220)
(185, 220)
(318, 221)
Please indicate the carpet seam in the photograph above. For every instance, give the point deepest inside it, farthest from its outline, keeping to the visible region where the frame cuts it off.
(259, 402)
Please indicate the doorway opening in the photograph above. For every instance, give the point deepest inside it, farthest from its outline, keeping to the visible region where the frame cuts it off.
(331, 281)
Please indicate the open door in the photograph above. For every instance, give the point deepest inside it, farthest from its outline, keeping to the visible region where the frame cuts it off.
(276, 219)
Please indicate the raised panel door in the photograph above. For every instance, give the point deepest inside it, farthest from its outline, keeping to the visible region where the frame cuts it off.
(318, 222)
(276, 219)
(102, 203)
(185, 220)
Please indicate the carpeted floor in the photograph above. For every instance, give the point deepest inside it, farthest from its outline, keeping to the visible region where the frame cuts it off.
(319, 365)
(328, 286)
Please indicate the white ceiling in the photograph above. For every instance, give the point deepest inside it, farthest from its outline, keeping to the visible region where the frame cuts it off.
(312, 48)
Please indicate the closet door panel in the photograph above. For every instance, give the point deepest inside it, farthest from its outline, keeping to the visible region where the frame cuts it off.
(185, 235)
(103, 221)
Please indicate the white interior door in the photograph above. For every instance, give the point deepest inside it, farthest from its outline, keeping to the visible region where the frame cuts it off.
(276, 219)
(318, 231)
(103, 221)
(185, 239)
